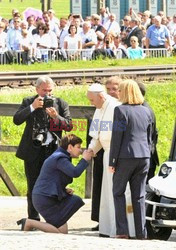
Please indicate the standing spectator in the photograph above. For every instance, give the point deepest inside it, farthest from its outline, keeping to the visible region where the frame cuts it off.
(78, 23)
(15, 13)
(40, 139)
(111, 26)
(157, 35)
(52, 26)
(135, 31)
(96, 25)
(51, 196)
(172, 26)
(72, 43)
(31, 23)
(53, 19)
(146, 21)
(14, 35)
(104, 15)
(101, 139)
(129, 157)
(126, 23)
(63, 32)
(134, 52)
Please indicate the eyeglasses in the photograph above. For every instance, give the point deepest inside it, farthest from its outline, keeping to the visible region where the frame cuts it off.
(41, 28)
(96, 19)
(133, 41)
(125, 20)
(16, 21)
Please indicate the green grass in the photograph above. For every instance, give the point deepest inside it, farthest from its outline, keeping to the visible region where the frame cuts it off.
(161, 97)
(101, 63)
(61, 7)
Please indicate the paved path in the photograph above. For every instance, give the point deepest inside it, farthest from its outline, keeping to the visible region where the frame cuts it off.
(80, 236)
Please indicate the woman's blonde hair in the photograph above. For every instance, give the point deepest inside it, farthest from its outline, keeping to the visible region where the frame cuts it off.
(130, 92)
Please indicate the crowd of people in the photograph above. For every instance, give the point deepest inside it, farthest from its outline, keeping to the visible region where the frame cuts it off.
(123, 138)
(41, 39)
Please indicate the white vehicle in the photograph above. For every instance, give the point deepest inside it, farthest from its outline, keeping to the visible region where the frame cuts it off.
(161, 203)
(161, 198)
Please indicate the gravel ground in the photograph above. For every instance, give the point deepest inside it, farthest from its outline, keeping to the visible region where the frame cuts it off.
(80, 235)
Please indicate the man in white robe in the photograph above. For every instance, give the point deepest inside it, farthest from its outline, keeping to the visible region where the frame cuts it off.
(100, 131)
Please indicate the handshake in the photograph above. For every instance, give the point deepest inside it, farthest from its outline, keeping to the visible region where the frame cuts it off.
(88, 154)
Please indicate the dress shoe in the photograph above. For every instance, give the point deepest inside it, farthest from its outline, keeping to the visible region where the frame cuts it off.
(104, 235)
(95, 228)
(122, 236)
(22, 222)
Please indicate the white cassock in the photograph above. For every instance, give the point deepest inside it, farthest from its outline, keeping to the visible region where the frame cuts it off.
(101, 131)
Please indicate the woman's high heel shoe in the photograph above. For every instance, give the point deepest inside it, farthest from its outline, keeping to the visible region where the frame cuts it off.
(22, 222)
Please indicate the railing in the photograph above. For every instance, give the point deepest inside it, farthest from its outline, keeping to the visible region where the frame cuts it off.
(77, 112)
(21, 57)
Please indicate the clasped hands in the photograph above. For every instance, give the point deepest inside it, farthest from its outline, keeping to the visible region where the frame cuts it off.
(38, 103)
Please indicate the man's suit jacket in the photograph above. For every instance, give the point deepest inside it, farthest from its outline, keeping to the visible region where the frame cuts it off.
(131, 135)
(26, 150)
(154, 154)
(136, 32)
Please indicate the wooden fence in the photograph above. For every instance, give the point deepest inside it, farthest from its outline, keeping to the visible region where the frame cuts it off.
(77, 112)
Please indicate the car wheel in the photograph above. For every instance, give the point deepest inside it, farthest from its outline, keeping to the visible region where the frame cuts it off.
(160, 233)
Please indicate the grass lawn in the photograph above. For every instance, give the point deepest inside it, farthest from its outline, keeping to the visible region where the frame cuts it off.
(62, 8)
(101, 63)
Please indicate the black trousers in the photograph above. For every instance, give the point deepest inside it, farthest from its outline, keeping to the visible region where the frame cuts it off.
(97, 181)
(32, 171)
(135, 171)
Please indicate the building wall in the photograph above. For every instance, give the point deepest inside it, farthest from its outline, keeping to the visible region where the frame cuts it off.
(120, 7)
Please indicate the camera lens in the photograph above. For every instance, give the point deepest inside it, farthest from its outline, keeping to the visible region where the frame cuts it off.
(38, 140)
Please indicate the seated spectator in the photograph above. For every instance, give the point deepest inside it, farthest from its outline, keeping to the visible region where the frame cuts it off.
(108, 49)
(135, 52)
(72, 43)
(27, 46)
(100, 40)
(89, 40)
(120, 49)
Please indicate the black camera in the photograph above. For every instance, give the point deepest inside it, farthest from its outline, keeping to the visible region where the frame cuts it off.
(107, 42)
(39, 136)
(48, 101)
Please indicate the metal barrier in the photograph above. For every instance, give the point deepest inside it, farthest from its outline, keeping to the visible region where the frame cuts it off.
(46, 55)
